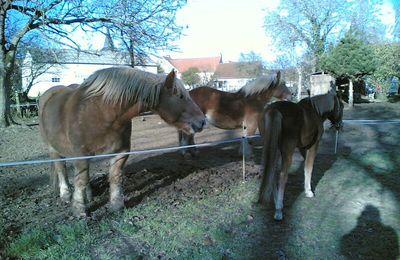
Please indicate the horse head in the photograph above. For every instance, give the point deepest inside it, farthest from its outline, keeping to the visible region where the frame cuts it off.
(177, 108)
(281, 91)
(336, 114)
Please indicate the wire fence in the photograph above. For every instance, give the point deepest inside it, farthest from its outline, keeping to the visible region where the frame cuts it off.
(176, 148)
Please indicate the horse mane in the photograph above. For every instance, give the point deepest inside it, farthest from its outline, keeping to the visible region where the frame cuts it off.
(257, 85)
(126, 85)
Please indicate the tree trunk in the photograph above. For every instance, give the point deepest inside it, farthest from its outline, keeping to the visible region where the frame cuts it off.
(299, 84)
(351, 92)
(7, 62)
(4, 120)
(18, 104)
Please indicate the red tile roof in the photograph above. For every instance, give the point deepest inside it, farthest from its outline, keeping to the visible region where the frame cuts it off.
(208, 64)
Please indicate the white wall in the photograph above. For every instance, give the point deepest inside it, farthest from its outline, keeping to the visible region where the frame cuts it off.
(231, 85)
(67, 74)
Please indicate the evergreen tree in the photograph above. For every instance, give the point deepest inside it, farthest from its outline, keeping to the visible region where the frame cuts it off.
(351, 59)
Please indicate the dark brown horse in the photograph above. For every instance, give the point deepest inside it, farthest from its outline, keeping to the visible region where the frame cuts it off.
(96, 118)
(284, 126)
(231, 110)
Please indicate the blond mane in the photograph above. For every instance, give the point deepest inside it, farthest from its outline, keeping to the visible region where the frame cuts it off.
(126, 85)
(258, 85)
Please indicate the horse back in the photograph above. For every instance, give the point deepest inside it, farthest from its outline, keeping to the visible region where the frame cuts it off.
(205, 97)
(292, 117)
(300, 122)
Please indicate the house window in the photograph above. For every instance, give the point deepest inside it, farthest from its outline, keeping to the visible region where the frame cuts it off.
(55, 79)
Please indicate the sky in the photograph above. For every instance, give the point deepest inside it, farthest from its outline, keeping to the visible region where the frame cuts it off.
(231, 27)
(223, 27)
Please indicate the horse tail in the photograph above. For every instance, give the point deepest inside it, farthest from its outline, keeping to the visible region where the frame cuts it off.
(272, 123)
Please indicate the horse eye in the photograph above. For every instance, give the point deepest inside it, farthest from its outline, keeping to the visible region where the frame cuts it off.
(182, 96)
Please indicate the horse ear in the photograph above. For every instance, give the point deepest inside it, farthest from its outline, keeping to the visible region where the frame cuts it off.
(278, 78)
(169, 81)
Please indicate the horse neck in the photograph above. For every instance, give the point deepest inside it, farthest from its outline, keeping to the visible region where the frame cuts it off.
(126, 112)
(258, 100)
(319, 105)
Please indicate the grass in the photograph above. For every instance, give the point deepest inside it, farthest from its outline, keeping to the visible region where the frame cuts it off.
(64, 241)
(181, 229)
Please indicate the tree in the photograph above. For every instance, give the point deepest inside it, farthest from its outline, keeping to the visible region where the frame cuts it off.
(137, 21)
(365, 21)
(308, 24)
(388, 57)
(396, 30)
(351, 59)
(251, 63)
(191, 76)
(144, 38)
(314, 24)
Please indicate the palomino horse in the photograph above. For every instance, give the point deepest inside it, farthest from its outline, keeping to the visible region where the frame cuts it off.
(231, 110)
(284, 126)
(96, 118)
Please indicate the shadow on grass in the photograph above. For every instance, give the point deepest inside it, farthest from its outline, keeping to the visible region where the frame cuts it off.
(370, 239)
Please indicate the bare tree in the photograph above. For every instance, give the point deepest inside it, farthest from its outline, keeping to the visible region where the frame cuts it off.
(137, 21)
(140, 37)
(308, 24)
(251, 63)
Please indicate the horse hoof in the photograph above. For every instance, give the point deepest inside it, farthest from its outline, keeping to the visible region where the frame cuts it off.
(79, 210)
(117, 205)
(309, 194)
(89, 195)
(65, 197)
(278, 216)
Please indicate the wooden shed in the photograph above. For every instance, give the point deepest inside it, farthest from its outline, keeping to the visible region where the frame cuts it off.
(321, 83)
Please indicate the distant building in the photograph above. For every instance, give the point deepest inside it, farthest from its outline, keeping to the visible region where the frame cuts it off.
(42, 69)
(212, 71)
(321, 83)
(205, 65)
(234, 75)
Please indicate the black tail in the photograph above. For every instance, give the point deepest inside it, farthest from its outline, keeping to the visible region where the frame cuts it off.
(272, 122)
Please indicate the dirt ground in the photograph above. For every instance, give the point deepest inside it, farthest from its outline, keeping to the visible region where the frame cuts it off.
(357, 190)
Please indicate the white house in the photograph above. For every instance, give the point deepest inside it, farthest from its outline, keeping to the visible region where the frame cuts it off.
(234, 75)
(205, 65)
(65, 67)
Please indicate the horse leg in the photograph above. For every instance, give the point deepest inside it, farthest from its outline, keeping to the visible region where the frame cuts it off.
(59, 178)
(279, 193)
(81, 184)
(308, 168)
(185, 139)
(116, 194)
(193, 151)
(246, 147)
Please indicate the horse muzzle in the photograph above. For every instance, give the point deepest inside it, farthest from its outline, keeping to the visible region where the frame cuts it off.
(337, 126)
(198, 126)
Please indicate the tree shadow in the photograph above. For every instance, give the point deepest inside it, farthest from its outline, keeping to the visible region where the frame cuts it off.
(370, 239)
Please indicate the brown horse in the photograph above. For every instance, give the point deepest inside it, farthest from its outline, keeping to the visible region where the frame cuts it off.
(227, 110)
(96, 118)
(284, 126)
